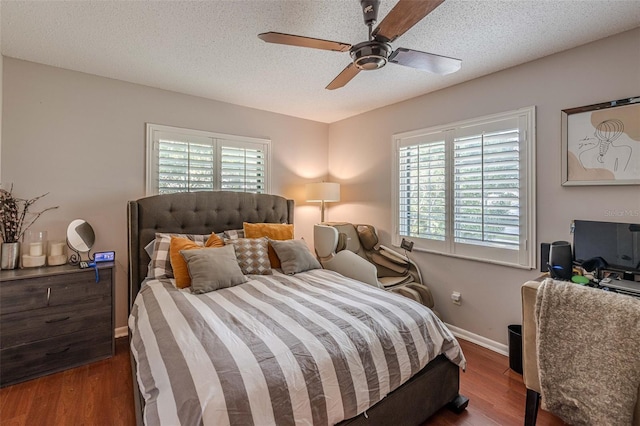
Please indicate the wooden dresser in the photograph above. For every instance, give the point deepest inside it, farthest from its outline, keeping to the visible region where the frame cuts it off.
(54, 318)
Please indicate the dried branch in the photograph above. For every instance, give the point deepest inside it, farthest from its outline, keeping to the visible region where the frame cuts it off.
(37, 215)
(14, 215)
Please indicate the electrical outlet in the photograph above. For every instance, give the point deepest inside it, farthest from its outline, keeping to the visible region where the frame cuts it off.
(456, 297)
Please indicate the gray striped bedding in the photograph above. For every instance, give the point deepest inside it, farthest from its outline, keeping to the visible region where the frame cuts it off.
(312, 348)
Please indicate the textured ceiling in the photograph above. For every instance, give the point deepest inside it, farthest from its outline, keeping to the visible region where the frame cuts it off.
(211, 48)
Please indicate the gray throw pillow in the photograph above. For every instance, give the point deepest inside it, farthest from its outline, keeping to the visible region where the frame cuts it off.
(213, 268)
(294, 256)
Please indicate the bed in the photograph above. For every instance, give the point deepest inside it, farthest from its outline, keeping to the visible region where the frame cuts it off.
(276, 349)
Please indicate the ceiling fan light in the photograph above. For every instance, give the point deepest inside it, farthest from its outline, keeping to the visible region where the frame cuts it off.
(370, 55)
(370, 62)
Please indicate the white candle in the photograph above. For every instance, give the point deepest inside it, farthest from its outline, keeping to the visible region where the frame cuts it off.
(56, 249)
(35, 249)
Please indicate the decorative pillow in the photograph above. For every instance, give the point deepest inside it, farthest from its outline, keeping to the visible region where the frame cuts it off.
(273, 231)
(160, 265)
(212, 269)
(252, 255)
(149, 248)
(295, 256)
(178, 264)
(233, 234)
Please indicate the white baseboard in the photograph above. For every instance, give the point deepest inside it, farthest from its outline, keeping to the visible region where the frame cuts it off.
(479, 340)
(121, 331)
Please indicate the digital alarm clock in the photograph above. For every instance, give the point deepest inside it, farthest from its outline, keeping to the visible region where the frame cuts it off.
(104, 256)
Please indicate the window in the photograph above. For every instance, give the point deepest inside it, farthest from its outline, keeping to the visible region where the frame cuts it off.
(183, 160)
(468, 189)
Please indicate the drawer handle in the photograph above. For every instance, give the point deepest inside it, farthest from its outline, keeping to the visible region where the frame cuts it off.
(57, 319)
(58, 352)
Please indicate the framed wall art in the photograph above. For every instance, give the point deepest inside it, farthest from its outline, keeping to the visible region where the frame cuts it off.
(601, 144)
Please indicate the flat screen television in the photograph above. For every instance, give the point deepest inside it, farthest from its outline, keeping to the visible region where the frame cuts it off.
(617, 243)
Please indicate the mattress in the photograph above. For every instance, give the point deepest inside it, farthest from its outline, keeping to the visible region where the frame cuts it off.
(312, 348)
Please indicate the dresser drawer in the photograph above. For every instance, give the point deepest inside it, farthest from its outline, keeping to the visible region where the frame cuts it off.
(29, 326)
(47, 356)
(27, 294)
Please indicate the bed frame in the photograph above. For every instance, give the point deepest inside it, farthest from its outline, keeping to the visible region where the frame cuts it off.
(434, 387)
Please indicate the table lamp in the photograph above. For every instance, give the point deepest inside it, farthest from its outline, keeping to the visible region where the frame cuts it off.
(323, 192)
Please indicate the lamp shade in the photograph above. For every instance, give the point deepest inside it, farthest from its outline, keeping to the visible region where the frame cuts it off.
(323, 191)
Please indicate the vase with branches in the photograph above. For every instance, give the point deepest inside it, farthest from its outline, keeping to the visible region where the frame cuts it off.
(15, 217)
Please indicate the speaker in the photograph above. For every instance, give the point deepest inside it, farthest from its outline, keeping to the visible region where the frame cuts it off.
(560, 260)
(544, 257)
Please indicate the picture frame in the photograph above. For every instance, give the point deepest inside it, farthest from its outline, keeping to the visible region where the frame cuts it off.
(601, 144)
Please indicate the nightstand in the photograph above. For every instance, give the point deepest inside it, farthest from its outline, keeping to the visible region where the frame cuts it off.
(54, 318)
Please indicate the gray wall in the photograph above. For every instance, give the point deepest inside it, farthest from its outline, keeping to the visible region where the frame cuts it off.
(601, 71)
(1, 102)
(81, 138)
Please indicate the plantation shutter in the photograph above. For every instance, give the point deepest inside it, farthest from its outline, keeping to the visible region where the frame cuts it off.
(467, 189)
(486, 193)
(422, 190)
(185, 160)
(243, 168)
(184, 163)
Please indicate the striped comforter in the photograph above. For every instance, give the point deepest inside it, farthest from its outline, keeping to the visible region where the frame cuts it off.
(313, 348)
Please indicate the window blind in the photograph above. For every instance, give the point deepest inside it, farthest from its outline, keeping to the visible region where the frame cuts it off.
(184, 160)
(242, 169)
(422, 190)
(467, 189)
(185, 166)
(486, 194)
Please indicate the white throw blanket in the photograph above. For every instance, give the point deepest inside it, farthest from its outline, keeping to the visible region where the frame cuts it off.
(588, 347)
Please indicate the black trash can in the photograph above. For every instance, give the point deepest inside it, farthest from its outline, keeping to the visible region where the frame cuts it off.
(515, 348)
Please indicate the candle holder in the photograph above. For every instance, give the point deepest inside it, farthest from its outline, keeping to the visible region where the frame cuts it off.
(57, 254)
(34, 249)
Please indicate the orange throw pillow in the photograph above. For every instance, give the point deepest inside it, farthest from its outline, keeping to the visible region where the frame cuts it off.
(179, 265)
(214, 241)
(275, 231)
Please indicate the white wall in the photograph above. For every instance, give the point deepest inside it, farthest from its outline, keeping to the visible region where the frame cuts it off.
(360, 152)
(81, 138)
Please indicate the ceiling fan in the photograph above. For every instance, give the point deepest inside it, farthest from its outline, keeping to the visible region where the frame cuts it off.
(377, 51)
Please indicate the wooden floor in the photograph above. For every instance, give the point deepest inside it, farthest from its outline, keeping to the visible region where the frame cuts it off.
(101, 394)
(496, 393)
(97, 394)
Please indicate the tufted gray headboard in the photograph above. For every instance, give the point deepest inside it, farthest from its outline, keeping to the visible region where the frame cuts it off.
(194, 213)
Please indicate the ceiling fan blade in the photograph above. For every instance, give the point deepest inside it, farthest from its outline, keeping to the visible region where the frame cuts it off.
(295, 40)
(404, 15)
(344, 77)
(425, 61)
